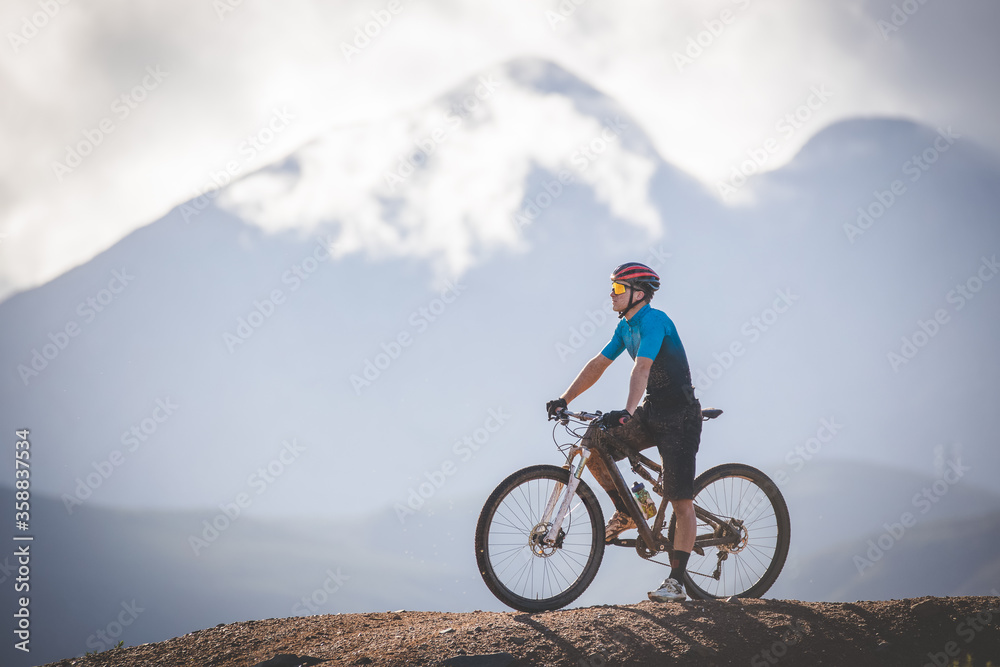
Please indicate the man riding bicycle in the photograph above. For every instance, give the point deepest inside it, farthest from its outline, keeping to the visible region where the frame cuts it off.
(669, 417)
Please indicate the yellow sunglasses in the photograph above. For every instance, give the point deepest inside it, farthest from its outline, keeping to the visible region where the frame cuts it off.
(619, 288)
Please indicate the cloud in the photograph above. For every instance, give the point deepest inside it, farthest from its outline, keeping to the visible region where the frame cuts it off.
(228, 72)
(446, 182)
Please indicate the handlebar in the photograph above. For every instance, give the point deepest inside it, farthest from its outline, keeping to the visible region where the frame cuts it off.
(565, 415)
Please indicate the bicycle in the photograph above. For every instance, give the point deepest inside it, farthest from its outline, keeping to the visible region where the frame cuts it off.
(538, 548)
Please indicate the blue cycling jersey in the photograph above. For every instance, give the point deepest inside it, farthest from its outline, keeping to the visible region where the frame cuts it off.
(651, 334)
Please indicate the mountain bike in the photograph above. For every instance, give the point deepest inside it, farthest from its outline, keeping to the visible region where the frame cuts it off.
(540, 535)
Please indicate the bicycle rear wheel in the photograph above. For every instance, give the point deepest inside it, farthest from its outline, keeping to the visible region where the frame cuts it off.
(521, 571)
(734, 491)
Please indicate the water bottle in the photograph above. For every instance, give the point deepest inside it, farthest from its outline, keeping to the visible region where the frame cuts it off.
(642, 496)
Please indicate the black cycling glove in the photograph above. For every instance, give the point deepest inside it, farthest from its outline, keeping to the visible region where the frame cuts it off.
(552, 406)
(615, 418)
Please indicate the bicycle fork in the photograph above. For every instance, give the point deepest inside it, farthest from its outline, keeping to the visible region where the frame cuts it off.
(574, 481)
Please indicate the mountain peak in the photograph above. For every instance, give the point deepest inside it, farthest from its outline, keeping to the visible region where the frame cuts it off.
(865, 139)
(446, 182)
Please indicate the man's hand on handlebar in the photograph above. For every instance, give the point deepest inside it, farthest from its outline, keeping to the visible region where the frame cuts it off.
(553, 407)
(615, 418)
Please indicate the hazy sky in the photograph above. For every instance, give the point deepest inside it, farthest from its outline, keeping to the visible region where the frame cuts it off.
(161, 96)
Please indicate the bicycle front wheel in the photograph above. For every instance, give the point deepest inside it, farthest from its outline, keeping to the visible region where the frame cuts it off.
(522, 571)
(747, 499)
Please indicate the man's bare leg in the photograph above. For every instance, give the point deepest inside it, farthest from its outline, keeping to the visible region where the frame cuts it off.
(686, 525)
(621, 520)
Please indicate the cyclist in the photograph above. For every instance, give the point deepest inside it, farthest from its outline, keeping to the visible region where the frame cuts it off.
(669, 417)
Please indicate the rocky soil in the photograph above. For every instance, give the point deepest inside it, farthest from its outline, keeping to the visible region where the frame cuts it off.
(922, 631)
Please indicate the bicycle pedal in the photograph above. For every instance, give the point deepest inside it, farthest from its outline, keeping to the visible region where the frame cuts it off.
(698, 550)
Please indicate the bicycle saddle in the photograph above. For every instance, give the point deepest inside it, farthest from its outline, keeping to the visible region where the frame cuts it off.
(710, 413)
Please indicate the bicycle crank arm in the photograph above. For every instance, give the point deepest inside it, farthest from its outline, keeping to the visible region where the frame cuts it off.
(618, 542)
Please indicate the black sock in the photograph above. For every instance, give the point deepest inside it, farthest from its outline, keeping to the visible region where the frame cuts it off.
(678, 565)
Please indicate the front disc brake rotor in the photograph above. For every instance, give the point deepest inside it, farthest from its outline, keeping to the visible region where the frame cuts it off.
(536, 540)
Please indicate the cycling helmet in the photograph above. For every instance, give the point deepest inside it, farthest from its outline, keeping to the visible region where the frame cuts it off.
(639, 276)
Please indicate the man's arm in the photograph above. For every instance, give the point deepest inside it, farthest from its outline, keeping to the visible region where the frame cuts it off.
(637, 383)
(590, 374)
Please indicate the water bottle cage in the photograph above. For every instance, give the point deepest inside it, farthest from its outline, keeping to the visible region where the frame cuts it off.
(640, 470)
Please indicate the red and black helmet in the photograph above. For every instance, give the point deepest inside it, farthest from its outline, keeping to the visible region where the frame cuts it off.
(637, 275)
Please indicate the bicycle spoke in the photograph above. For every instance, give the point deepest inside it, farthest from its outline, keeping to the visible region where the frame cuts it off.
(538, 572)
(735, 496)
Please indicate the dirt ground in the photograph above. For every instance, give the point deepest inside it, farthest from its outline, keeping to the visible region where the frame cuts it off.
(916, 632)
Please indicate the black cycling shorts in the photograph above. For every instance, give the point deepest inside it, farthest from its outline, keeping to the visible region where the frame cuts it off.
(675, 433)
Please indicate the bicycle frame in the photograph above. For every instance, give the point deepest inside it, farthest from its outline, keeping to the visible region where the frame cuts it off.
(652, 539)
